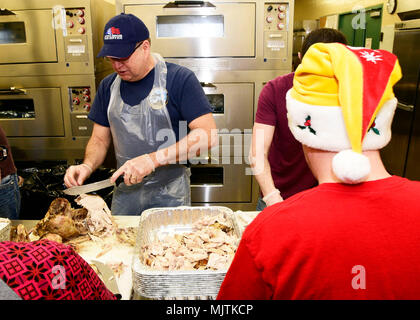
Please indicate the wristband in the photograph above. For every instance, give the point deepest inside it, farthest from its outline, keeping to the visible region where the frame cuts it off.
(275, 191)
(87, 166)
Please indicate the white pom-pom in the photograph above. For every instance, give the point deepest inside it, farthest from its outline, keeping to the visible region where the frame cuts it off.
(350, 167)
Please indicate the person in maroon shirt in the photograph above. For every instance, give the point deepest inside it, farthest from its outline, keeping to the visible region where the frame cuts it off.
(276, 158)
(9, 185)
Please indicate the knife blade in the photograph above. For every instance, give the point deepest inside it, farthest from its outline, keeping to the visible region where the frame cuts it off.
(107, 276)
(95, 186)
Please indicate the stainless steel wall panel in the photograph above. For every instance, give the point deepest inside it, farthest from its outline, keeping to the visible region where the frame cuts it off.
(402, 155)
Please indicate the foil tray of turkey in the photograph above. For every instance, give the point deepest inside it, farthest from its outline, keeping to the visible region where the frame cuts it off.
(5, 229)
(200, 279)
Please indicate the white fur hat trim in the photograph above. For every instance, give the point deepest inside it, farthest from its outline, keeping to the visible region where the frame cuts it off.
(328, 123)
(351, 167)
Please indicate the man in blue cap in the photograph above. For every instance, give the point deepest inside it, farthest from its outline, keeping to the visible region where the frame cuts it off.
(142, 107)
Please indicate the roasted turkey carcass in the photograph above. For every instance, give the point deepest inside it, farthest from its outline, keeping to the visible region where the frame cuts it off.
(62, 220)
(94, 218)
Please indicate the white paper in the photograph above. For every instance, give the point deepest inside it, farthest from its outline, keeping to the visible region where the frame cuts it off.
(76, 49)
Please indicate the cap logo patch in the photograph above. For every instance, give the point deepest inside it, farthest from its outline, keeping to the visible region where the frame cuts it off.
(113, 34)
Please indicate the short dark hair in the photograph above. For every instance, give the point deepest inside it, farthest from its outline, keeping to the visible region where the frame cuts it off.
(326, 35)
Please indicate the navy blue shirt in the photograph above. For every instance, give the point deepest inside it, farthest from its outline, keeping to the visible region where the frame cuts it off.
(186, 98)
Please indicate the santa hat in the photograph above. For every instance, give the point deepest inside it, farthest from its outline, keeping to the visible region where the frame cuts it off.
(342, 101)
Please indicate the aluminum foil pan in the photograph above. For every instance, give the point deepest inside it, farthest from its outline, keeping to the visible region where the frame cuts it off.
(5, 229)
(157, 223)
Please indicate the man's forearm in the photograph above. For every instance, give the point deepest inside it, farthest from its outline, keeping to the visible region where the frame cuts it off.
(262, 137)
(265, 179)
(192, 145)
(96, 151)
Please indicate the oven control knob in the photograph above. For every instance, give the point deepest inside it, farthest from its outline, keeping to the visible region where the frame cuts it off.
(81, 20)
(269, 19)
(81, 30)
(282, 8)
(86, 98)
(80, 13)
(87, 107)
(76, 100)
(269, 8)
(280, 26)
(86, 91)
(281, 15)
(70, 24)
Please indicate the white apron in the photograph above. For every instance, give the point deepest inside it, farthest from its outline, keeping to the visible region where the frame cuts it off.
(134, 132)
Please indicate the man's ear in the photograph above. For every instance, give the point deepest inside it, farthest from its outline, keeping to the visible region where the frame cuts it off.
(146, 44)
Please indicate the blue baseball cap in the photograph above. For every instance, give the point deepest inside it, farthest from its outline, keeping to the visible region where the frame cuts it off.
(121, 34)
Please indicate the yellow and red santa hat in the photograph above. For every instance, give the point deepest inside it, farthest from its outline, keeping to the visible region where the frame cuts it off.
(342, 101)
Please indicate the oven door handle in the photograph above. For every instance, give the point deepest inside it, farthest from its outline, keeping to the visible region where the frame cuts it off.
(208, 85)
(405, 107)
(12, 90)
(189, 4)
(5, 12)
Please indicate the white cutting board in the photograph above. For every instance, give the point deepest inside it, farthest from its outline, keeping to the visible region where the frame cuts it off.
(89, 251)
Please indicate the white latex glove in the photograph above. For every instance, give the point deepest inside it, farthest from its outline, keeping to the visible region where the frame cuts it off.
(135, 170)
(77, 174)
(274, 199)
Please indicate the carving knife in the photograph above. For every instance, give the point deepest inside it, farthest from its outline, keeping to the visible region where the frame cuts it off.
(95, 186)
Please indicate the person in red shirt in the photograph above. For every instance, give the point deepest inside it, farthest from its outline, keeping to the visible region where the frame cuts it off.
(278, 161)
(356, 235)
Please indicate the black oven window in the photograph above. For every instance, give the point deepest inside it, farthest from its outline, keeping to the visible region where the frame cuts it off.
(217, 102)
(206, 175)
(190, 26)
(17, 108)
(12, 32)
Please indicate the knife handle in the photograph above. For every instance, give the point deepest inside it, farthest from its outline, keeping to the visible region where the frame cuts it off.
(119, 180)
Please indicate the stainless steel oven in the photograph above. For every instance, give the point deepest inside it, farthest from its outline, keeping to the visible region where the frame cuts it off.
(234, 48)
(225, 98)
(222, 35)
(45, 37)
(45, 117)
(47, 78)
(221, 183)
